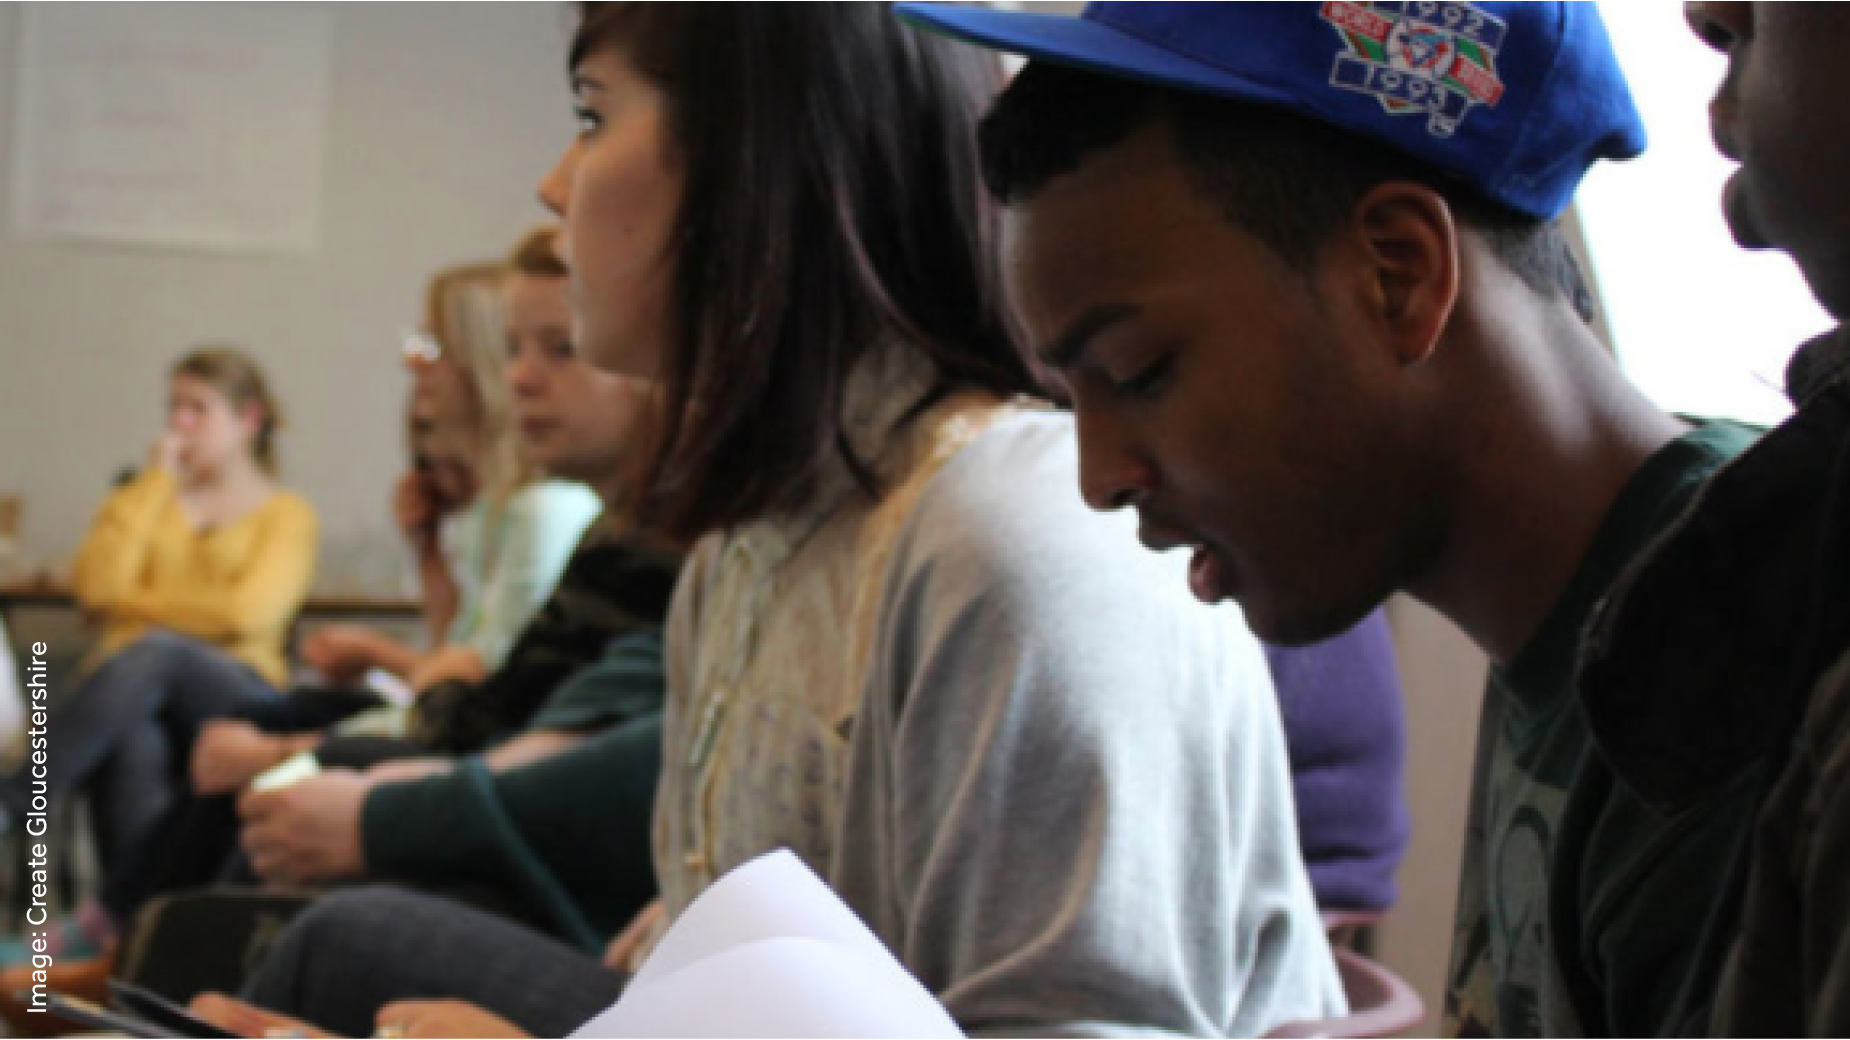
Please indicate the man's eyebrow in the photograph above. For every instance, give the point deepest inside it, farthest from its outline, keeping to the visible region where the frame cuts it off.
(1068, 347)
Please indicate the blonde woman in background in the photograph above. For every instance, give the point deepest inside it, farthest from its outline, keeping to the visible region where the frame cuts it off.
(486, 571)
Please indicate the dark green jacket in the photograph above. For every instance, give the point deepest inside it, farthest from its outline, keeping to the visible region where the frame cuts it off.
(1719, 676)
(1581, 905)
(566, 838)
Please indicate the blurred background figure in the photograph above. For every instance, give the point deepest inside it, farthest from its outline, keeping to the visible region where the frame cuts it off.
(193, 571)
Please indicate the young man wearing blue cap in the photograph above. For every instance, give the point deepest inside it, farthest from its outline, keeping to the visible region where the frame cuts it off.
(1298, 267)
(1725, 658)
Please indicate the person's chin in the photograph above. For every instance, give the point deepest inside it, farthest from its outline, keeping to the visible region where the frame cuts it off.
(544, 455)
(617, 348)
(536, 437)
(1286, 623)
(1738, 213)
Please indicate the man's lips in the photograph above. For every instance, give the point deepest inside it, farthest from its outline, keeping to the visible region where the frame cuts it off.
(1160, 532)
(1724, 141)
(1209, 574)
(1721, 125)
(1158, 540)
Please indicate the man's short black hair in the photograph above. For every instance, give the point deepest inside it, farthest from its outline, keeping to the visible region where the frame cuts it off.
(1288, 180)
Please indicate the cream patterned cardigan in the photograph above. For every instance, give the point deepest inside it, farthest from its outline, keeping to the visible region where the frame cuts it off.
(768, 647)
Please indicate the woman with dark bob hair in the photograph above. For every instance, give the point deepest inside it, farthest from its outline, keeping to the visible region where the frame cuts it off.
(904, 648)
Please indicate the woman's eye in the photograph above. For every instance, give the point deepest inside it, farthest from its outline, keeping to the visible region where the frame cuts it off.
(588, 119)
(1148, 381)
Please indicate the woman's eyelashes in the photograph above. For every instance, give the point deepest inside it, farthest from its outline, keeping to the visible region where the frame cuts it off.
(1148, 381)
(588, 119)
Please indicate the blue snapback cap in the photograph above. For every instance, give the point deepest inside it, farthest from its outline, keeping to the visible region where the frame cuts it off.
(1516, 99)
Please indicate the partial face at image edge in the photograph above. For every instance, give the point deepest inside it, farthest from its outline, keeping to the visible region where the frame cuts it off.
(1776, 115)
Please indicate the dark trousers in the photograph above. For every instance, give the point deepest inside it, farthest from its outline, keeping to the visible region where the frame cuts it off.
(358, 950)
(195, 841)
(129, 729)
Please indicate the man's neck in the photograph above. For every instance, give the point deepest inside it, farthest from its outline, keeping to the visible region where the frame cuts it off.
(1554, 436)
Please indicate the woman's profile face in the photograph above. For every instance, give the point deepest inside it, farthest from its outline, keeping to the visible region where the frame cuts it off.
(210, 428)
(617, 190)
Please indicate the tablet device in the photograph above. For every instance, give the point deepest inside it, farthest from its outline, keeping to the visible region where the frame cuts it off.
(169, 1019)
(93, 1016)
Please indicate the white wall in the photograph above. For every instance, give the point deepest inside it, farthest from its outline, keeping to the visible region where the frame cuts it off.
(442, 117)
(1659, 241)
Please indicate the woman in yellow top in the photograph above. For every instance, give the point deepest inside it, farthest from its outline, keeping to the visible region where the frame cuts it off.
(194, 569)
(204, 542)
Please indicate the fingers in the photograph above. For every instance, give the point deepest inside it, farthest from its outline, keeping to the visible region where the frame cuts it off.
(233, 1015)
(208, 779)
(204, 759)
(622, 949)
(278, 865)
(273, 855)
(440, 1018)
(219, 1009)
(263, 842)
(267, 859)
(405, 1018)
(255, 806)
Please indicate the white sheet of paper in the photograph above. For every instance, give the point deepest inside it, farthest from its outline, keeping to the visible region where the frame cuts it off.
(771, 951)
(389, 686)
(302, 765)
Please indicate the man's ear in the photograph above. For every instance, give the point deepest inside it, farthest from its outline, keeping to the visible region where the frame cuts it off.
(1409, 240)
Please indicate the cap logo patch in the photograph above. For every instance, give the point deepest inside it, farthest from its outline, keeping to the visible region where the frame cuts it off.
(1438, 58)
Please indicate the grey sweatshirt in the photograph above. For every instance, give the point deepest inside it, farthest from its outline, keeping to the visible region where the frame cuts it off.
(1067, 805)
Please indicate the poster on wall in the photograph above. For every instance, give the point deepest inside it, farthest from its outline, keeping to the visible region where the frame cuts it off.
(181, 125)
